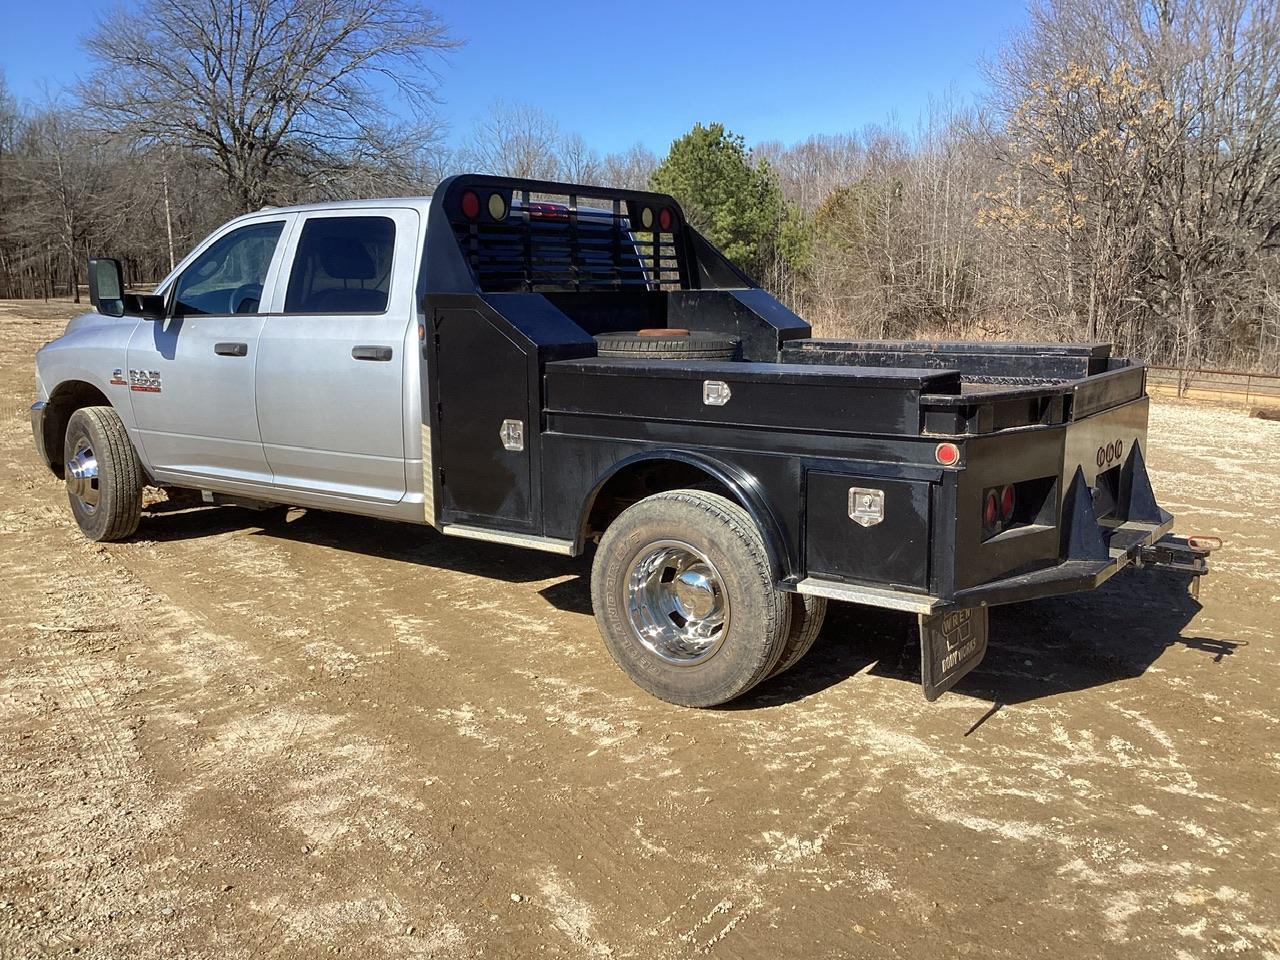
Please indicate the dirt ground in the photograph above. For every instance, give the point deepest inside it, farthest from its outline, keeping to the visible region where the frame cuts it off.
(296, 734)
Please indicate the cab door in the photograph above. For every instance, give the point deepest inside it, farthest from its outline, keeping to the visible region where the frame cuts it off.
(191, 375)
(334, 361)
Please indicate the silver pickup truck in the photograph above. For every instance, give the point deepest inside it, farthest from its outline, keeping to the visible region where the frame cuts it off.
(561, 367)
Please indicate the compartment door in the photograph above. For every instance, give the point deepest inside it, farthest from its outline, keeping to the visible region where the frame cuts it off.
(483, 422)
(881, 536)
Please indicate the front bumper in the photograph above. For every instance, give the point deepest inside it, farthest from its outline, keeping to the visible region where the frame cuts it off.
(37, 431)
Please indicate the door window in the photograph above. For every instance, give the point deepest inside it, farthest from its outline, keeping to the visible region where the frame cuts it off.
(343, 265)
(228, 277)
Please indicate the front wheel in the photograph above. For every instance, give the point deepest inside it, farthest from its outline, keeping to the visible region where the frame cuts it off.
(685, 599)
(103, 475)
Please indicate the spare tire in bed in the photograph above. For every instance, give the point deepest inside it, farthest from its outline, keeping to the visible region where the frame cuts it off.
(669, 344)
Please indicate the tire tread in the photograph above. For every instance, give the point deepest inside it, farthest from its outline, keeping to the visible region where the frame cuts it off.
(120, 475)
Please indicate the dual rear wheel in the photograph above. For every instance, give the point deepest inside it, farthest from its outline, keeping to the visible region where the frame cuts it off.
(686, 601)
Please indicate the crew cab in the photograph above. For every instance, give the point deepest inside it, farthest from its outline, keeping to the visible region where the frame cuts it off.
(569, 368)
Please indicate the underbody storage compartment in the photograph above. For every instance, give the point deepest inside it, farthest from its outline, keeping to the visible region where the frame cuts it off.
(868, 528)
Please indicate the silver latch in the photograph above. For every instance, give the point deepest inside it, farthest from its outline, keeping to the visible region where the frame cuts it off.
(866, 506)
(715, 393)
(512, 434)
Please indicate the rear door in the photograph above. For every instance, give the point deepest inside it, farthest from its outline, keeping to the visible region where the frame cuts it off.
(191, 375)
(334, 361)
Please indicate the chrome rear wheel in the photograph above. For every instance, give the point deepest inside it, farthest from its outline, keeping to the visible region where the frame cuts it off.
(676, 603)
(685, 597)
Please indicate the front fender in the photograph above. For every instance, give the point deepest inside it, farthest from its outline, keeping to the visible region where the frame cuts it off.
(91, 351)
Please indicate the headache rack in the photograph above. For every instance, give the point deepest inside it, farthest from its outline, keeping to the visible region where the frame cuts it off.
(522, 235)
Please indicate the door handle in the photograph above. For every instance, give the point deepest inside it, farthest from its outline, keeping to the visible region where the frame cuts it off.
(371, 353)
(231, 349)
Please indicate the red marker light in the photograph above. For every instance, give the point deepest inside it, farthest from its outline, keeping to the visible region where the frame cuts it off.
(1007, 502)
(470, 204)
(990, 510)
(665, 219)
(947, 454)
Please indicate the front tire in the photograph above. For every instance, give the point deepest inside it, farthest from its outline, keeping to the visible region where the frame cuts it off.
(685, 598)
(103, 474)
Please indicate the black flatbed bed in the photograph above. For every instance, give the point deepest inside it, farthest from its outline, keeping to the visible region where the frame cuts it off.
(868, 466)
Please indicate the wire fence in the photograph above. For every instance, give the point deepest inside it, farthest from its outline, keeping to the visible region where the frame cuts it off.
(1223, 386)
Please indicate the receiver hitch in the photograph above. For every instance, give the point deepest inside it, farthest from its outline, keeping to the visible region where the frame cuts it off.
(1187, 554)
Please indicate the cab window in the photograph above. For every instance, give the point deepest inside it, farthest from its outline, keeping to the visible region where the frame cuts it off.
(228, 277)
(342, 265)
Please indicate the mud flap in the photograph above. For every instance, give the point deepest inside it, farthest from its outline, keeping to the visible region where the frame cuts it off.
(951, 644)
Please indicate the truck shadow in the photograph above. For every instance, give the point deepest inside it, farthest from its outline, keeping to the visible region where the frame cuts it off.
(185, 518)
(1039, 649)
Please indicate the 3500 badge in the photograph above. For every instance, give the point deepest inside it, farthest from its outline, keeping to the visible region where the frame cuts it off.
(140, 381)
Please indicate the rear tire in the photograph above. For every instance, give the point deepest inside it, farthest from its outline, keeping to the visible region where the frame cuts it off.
(103, 474)
(685, 599)
(807, 616)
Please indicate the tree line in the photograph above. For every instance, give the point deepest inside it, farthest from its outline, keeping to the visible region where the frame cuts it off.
(1121, 181)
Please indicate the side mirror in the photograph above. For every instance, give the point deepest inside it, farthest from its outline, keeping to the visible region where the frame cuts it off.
(106, 293)
(106, 286)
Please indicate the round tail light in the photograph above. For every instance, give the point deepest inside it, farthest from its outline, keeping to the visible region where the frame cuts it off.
(1007, 502)
(991, 510)
(470, 204)
(665, 219)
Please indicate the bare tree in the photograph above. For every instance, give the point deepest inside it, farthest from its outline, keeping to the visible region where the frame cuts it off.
(1142, 168)
(515, 140)
(577, 161)
(258, 87)
(631, 169)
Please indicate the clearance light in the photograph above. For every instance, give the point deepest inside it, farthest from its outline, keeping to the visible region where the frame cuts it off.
(646, 218)
(497, 206)
(470, 204)
(947, 454)
(665, 219)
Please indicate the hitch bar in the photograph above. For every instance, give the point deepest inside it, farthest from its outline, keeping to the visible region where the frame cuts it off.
(1186, 554)
(1189, 554)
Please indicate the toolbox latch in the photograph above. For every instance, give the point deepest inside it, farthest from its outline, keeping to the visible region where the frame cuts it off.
(512, 434)
(866, 506)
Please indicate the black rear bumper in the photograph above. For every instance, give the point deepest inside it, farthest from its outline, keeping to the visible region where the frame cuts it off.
(1132, 544)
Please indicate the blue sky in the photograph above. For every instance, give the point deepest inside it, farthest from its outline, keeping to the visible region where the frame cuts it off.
(625, 72)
